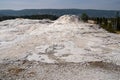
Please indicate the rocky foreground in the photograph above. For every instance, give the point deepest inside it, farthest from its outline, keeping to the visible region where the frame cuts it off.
(65, 49)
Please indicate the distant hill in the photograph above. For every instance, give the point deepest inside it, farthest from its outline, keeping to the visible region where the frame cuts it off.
(58, 12)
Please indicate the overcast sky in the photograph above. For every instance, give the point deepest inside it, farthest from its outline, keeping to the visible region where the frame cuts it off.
(60, 4)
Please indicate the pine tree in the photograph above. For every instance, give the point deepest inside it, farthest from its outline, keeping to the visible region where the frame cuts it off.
(84, 17)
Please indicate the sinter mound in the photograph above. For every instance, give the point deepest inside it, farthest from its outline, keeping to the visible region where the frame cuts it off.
(68, 19)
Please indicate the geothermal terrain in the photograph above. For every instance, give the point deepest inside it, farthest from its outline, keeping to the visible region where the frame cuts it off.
(65, 49)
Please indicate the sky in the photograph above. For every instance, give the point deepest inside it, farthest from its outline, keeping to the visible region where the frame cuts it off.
(60, 4)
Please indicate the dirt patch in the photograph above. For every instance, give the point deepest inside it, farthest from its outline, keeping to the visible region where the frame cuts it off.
(15, 70)
(105, 65)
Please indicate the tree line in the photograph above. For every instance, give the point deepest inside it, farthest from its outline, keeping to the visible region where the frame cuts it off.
(110, 24)
(45, 16)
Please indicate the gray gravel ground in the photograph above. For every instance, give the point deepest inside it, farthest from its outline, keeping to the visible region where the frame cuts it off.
(26, 70)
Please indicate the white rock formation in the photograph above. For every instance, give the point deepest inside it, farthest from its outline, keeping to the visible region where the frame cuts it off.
(64, 40)
(68, 19)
